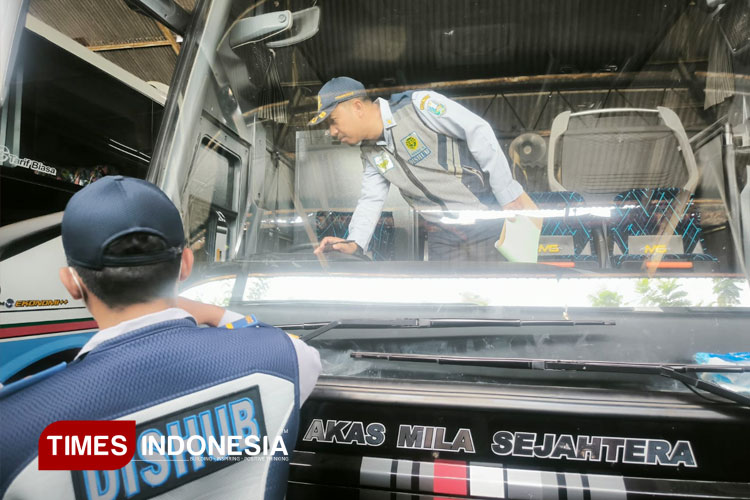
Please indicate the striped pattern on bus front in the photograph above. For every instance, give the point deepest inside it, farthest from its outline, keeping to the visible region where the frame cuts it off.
(474, 479)
(314, 475)
(42, 327)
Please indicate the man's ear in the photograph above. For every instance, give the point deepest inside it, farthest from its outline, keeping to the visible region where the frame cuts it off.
(69, 283)
(358, 107)
(187, 264)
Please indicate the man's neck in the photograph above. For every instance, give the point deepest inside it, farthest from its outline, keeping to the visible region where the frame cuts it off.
(107, 318)
(377, 122)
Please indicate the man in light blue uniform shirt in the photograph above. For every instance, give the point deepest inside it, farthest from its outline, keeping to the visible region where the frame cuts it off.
(444, 159)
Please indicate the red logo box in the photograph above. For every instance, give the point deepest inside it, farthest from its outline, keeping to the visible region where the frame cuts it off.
(87, 445)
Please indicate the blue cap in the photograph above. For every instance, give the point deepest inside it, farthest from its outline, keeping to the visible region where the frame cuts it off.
(336, 90)
(116, 206)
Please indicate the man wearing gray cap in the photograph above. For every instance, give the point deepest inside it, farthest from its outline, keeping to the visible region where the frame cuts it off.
(237, 382)
(444, 159)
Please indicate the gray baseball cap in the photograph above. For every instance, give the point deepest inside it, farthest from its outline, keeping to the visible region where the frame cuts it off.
(115, 206)
(335, 91)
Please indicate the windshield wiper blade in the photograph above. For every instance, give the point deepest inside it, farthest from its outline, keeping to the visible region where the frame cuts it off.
(684, 373)
(322, 327)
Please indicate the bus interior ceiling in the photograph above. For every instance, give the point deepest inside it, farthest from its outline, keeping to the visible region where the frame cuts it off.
(499, 59)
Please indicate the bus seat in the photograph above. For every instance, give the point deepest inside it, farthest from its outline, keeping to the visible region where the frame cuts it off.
(600, 153)
(566, 237)
(656, 227)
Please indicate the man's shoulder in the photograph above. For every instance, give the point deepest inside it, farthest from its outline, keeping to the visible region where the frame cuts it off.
(242, 332)
(399, 100)
(418, 95)
(429, 102)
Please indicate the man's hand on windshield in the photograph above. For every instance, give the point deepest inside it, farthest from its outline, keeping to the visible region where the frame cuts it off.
(334, 244)
(204, 314)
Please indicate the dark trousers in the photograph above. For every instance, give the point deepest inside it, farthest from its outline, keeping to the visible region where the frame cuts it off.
(471, 243)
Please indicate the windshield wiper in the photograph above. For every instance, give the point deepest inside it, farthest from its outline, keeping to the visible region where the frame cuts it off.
(323, 327)
(684, 373)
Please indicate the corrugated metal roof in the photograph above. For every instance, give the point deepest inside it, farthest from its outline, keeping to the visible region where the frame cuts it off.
(420, 41)
(150, 64)
(393, 42)
(98, 23)
(95, 22)
(528, 59)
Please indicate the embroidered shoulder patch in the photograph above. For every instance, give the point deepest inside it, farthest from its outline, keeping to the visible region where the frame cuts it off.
(423, 101)
(383, 162)
(435, 107)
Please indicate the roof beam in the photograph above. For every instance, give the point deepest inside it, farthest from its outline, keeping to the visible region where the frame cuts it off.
(170, 38)
(129, 45)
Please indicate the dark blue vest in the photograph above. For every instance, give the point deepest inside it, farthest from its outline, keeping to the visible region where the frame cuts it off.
(152, 366)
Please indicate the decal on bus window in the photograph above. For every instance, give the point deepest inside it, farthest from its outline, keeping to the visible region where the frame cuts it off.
(14, 161)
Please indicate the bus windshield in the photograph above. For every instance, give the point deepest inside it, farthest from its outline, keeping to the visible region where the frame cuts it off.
(571, 161)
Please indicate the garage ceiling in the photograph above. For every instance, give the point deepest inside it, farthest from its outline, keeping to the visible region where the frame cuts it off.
(396, 44)
(134, 42)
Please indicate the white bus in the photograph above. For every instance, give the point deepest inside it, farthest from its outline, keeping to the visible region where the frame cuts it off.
(70, 117)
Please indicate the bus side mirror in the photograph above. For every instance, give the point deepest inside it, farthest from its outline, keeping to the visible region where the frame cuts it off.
(167, 12)
(295, 27)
